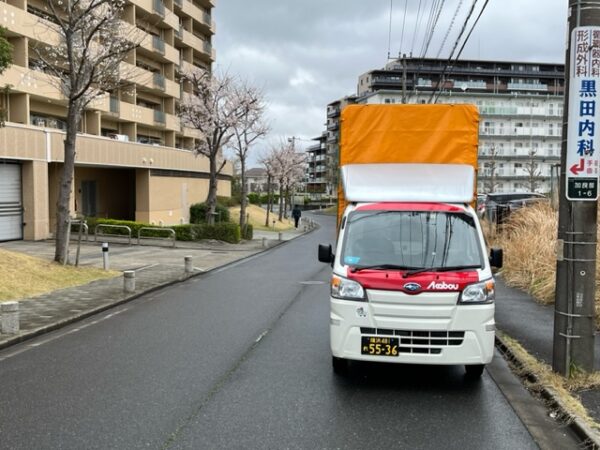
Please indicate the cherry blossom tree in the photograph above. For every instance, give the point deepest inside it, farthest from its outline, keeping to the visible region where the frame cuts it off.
(217, 107)
(288, 169)
(84, 64)
(249, 128)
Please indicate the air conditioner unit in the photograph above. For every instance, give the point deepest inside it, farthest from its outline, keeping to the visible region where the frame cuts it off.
(39, 122)
(122, 137)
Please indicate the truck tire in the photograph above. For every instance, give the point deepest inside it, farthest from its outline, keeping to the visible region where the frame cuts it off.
(474, 371)
(340, 366)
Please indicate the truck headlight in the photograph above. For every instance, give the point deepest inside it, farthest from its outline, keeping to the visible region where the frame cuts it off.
(483, 292)
(346, 289)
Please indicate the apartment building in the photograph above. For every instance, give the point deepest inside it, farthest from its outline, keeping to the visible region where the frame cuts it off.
(520, 105)
(133, 155)
(317, 181)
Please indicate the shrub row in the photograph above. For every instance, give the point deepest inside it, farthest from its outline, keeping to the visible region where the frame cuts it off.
(223, 231)
(257, 199)
(198, 213)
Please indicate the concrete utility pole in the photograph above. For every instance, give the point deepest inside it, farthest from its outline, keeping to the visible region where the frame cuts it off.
(576, 255)
(403, 78)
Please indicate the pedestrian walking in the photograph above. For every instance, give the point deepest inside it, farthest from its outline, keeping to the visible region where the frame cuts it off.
(296, 214)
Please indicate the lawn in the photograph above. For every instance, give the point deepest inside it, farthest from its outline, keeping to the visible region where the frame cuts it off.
(25, 276)
(257, 216)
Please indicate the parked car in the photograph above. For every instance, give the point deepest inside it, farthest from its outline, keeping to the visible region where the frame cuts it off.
(497, 206)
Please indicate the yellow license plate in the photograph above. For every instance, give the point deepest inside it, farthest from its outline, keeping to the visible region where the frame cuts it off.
(379, 346)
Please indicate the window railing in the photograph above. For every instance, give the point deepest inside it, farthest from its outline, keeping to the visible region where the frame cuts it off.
(159, 80)
(159, 7)
(114, 104)
(158, 44)
(159, 117)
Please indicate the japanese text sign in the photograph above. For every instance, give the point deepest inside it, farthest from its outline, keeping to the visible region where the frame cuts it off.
(582, 162)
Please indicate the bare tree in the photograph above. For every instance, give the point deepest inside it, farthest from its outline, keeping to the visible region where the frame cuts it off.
(532, 170)
(248, 129)
(85, 65)
(491, 167)
(215, 109)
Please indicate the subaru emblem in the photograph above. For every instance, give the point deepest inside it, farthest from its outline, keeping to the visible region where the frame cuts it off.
(412, 287)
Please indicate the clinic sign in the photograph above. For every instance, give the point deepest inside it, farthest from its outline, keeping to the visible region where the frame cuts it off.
(584, 109)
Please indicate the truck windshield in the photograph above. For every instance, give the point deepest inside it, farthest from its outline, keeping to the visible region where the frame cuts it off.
(411, 239)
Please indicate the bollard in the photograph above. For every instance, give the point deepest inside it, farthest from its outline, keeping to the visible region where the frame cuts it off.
(264, 242)
(129, 281)
(10, 317)
(189, 266)
(105, 259)
(280, 235)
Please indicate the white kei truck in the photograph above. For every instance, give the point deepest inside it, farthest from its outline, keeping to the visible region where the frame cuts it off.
(412, 280)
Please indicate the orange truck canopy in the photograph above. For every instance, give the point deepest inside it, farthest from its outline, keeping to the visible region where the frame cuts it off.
(379, 134)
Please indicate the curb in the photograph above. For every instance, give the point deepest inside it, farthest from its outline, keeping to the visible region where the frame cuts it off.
(588, 436)
(84, 315)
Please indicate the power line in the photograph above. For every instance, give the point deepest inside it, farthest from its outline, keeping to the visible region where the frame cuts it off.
(403, 23)
(416, 27)
(436, 16)
(390, 31)
(441, 79)
(449, 28)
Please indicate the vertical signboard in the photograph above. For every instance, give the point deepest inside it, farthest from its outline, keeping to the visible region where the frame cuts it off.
(582, 163)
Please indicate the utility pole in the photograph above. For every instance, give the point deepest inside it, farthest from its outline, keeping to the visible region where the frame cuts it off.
(576, 247)
(403, 78)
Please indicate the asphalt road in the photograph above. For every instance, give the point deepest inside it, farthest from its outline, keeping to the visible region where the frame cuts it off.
(237, 358)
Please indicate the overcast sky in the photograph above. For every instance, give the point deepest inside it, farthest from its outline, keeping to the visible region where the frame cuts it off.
(305, 54)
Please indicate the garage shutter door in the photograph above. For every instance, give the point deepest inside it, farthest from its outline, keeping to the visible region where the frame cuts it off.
(11, 209)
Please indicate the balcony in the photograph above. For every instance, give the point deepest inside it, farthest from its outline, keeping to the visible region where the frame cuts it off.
(527, 87)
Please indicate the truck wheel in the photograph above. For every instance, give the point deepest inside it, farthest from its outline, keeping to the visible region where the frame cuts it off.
(474, 371)
(340, 366)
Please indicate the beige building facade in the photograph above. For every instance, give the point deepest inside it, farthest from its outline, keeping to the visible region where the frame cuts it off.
(134, 158)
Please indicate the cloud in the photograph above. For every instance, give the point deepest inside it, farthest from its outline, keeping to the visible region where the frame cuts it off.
(307, 54)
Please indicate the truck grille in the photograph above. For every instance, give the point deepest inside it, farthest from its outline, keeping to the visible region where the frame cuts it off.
(418, 341)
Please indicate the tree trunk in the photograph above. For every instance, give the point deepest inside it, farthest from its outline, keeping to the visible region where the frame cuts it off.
(211, 198)
(269, 200)
(244, 193)
(286, 203)
(280, 218)
(63, 211)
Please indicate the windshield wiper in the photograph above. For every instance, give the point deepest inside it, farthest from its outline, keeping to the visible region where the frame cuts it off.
(382, 267)
(440, 269)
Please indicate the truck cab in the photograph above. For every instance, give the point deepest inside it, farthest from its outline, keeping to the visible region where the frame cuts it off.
(411, 281)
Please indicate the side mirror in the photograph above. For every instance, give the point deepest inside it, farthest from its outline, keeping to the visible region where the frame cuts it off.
(325, 253)
(496, 258)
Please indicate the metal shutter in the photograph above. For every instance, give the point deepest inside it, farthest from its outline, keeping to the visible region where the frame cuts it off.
(11, 208)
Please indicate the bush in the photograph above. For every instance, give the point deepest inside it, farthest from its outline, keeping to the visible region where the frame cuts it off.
(264, 199)
(198, 213)
(254, 198)
(222, 231)
(228, 202)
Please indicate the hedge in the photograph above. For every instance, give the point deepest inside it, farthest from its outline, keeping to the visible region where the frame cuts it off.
(198, 213)
(223, 231)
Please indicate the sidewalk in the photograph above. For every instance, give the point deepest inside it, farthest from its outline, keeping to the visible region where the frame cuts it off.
(532, 325)
(155, 266)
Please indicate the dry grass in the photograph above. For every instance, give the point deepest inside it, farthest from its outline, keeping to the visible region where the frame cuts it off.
(529, 240)
(24, 276)
(546, 378)
(257, 216)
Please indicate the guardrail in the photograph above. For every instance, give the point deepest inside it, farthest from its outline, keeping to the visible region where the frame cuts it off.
(170, 230)
(104, 225)
(82, 224)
